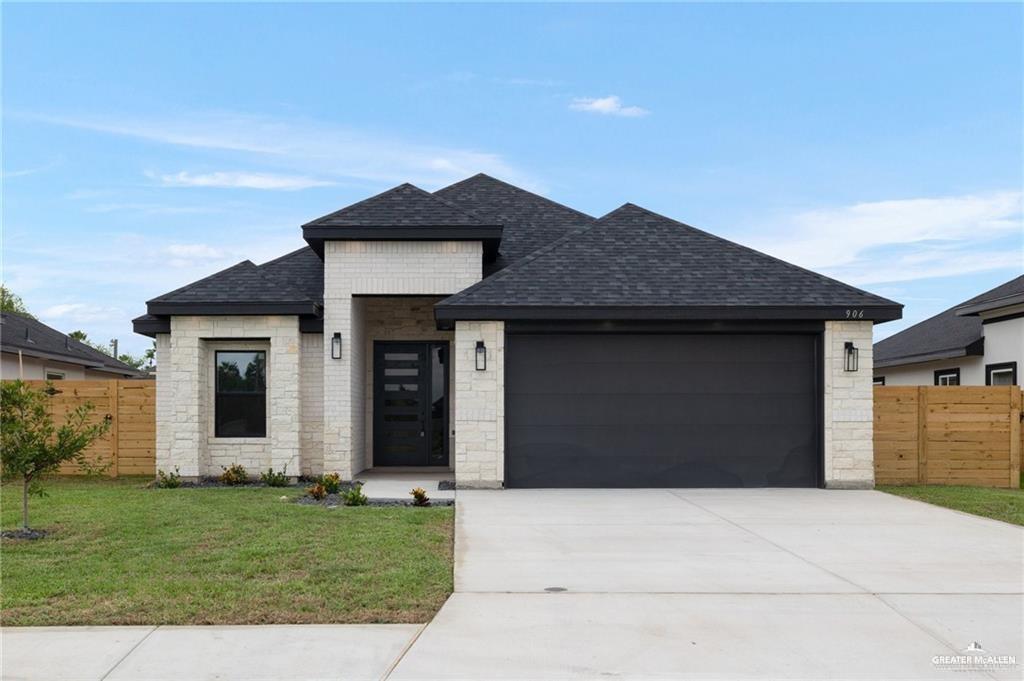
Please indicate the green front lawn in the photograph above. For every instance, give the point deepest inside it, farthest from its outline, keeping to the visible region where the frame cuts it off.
(122, 554)
(1001, 504)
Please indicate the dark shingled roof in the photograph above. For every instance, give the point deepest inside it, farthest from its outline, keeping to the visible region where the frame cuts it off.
(244, 283)
(301, 270)
(634, 258)
(35, 339)
(403, 206)
(944, 336)
(530, 221)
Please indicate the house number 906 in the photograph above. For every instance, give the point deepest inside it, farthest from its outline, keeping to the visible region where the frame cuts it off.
(855, 314)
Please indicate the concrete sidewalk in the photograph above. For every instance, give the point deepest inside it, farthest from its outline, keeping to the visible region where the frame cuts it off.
(233, 653)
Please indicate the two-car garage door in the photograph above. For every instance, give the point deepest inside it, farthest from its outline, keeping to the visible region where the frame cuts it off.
(662, 410)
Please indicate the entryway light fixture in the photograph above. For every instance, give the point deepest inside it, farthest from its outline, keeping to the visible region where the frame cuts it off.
(336, 345)
(850, 357)
(481, 356)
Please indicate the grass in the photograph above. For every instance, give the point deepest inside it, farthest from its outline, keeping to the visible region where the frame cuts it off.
(1000, 504)
(122, 554)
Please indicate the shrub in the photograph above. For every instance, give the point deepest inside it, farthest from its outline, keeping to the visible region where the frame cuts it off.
(170, 480)
(234, 475)
(355, 496)
(419, 497)
(317, 491)
(272, 478)
(33, 445)
(331, 482)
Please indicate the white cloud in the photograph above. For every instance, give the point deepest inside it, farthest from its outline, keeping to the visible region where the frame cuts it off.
(149, 208)
(309, 148)
(608, 106)
(240, 180)
(80, 313)
(900, 240)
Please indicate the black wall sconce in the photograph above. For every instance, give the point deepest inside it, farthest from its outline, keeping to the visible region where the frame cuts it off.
(850, 359)
(481, 356)
(336, 346)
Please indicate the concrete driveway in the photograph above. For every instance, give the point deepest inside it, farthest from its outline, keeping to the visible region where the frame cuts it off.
(722, 583)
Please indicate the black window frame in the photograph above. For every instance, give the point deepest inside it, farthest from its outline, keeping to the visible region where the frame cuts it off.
(260, 433)
(1001, 366)
(955, 371)
(878, 380)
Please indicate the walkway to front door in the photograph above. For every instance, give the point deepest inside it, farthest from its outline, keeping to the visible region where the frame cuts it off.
(410, 404)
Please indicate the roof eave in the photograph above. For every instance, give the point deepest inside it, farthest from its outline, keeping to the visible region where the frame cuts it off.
(973, 349)
(975, 309)
(316, 235)
(451, 313)
(237, 308)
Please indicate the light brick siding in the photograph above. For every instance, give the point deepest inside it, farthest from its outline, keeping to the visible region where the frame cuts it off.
(479, 409)
(311, 396)
(397, 319)
(368, 268)
(185, 378)
(849, 452)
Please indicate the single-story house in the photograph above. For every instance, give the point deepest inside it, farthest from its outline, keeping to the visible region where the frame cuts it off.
(31, 350)
(978, 342)
(519, 343)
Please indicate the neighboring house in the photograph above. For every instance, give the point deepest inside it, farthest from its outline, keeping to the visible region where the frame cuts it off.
(31, 350)
(978, 342)
(520, 343)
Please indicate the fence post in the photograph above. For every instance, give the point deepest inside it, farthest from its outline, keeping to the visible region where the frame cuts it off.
(1015, 436)
(922, 435)
(115, 408)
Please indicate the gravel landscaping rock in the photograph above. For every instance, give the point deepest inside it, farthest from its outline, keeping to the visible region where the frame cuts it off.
(23, 534)
(446, 485)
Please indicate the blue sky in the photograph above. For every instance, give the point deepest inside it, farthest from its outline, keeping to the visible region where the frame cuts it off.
(145, 146)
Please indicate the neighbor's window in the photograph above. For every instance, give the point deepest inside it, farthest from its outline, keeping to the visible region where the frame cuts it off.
(55, 375)
(1001, 374)
(947, 377)
(879, 380)
(241, 401)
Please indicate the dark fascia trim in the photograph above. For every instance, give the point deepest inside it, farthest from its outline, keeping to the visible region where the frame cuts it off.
(664, 327)
(451, 313)
(39, 354)
(989, 368)
(295, 308)
(975, 348)
(946, 372)
(311, 324)
(151, 327)
(490, 235)
(986, 305)
(1004, 318)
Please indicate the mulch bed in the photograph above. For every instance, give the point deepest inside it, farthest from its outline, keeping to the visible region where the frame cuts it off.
(335, 500)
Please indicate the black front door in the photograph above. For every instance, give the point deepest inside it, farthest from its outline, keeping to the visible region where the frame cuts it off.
(410, 404)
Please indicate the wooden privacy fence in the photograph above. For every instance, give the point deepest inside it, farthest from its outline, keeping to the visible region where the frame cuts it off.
(948, 435)
(130, 444)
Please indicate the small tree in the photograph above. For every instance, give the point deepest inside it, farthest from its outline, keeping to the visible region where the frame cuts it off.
(32, 445)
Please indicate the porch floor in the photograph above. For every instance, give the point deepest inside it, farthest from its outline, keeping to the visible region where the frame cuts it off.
(397, 482)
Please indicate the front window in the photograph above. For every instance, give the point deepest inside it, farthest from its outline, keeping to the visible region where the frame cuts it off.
(1001, 374)
(241, 394)
(947, 377)
(879, 380)
(54, 375)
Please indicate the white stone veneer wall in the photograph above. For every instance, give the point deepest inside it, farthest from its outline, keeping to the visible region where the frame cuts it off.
(185, 378)
(368, 268)
(479, 406)
(849, 418)
(311, 396)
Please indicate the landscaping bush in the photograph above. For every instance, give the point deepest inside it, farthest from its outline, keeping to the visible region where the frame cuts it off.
(170, 480)
(272, 478)
(331, 482)
(419, 497)
(234, 475)
(355, 496)
(317, 491)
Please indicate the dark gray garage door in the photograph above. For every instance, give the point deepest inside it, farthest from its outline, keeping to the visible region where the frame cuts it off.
(593, 410)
